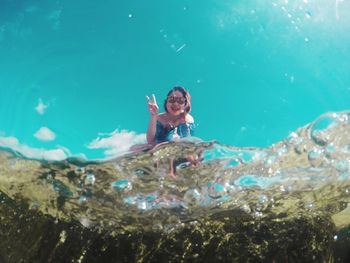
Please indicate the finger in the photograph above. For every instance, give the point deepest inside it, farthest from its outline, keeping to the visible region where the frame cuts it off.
(154, 99)
(149, 100)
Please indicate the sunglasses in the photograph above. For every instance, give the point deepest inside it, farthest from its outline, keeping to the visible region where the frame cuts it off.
(179, 100)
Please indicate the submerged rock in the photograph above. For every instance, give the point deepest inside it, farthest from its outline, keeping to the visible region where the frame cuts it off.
(28, 235)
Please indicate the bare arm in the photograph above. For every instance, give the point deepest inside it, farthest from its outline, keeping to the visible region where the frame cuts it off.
(152, 127)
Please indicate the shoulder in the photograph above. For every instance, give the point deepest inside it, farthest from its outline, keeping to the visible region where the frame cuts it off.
(162, 117)
(189, 118)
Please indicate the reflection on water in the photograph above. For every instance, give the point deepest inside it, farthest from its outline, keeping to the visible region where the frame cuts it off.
(310, 159)
(305, 174)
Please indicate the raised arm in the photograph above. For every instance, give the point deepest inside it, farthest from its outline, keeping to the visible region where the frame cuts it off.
(152, 127)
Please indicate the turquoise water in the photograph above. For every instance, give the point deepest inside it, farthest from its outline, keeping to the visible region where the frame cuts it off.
(74, 74)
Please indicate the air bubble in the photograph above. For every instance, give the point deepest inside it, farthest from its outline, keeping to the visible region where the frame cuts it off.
(124, 185)
(314, 154)
(90, 179)
(216, 190)
(320, 129)
(192, 196)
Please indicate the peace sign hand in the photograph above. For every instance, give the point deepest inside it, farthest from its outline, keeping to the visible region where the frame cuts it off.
(152, 105)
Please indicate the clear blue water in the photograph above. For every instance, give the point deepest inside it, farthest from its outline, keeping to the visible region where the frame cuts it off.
(74, 74)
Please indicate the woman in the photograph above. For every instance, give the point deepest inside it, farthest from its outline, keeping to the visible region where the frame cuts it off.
(175, 122)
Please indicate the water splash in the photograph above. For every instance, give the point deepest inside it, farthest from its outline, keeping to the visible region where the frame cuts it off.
(309, 170)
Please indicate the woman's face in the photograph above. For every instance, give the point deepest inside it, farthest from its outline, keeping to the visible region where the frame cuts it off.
(176, 103)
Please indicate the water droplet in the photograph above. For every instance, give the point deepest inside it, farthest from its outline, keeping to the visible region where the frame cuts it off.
(335, 238)
(306, 39)
(124, 185)
(130, 15)
(308, 15)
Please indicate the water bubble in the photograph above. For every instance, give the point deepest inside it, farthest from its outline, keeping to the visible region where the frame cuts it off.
(258, 214)
(343, 176)
(306, 39)
(192, 197)
(294, 138)
(270, 160)
(82, 199)
(216, 190)
(230, 187)
(281, 151)
(309, 205)
(124, 185)
(330, 149)
(142, 205)
(263, 199)
(139, 172)
(342, 165)
(90, 179)
(247, 180)
(314, 154)
(335, 238)
(246, 208)
(62, 189)
(308, 15)
(343, 117)
(35, 205)
(80, 170)
(320, 128)
(130, 200)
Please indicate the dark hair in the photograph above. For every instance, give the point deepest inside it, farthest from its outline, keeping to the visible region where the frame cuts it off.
(184, 93)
